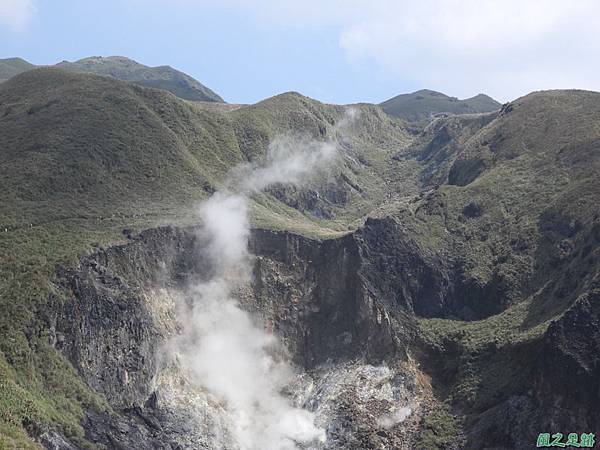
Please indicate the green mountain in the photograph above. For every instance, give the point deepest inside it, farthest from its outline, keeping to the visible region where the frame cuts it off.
(162, 77)
(453, 268)
(424, 104)
(10, 67)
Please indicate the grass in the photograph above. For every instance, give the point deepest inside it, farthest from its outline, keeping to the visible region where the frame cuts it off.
(440, 429)
(163, 77)
(32, 372)
(537, 185)
(10, 67)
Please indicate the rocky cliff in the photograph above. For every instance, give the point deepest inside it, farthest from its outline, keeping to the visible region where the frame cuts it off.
(345, 309)
(120, 309)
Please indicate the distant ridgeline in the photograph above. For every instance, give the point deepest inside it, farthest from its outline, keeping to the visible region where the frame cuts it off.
(161, 77)
(424, 104)
(419, 106)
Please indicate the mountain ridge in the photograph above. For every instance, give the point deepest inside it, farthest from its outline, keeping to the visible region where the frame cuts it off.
(425, 103)
(126, 69)
(9, 67)
(162, 77)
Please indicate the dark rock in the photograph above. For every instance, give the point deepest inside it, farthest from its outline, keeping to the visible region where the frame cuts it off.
(472, 210)
(465, 171)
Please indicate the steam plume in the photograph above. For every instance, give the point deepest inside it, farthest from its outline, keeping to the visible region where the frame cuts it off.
(220, 345)
(394, 418)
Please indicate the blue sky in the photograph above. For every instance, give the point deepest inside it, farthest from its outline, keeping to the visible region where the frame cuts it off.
(338, 51)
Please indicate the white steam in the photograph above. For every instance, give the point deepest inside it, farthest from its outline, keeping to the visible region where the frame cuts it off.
(290, 160)
(220, 345)
(392, 419)
(233, 359)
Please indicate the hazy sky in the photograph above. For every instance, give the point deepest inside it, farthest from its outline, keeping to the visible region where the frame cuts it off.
(338, 51)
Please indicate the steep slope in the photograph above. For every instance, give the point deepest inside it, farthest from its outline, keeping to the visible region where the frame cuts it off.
(505, 188)
(64, 133)
(9, 67)
(162, 77)
(513, 212)
(100, 141)
(424, 104)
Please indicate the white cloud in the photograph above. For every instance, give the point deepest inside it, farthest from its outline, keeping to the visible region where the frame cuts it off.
(14, 14)
(505, 48)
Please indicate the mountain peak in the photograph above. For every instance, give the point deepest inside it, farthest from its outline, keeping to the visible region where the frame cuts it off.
(126, 69)
(162, 77)
(425, 103)
(9, 67)
(429, 92)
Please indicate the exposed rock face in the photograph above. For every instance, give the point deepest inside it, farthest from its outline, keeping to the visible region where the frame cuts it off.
(569, 366)
(111, 328)
(317, 296)
(329, 315)
(344, 309)
(398, 272)
(563, 383)
(107, 327)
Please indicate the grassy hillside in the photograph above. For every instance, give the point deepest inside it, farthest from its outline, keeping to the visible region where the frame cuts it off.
(514, 206)
(10, 67)
(424, 104)
(514, 177)
(162, 77)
